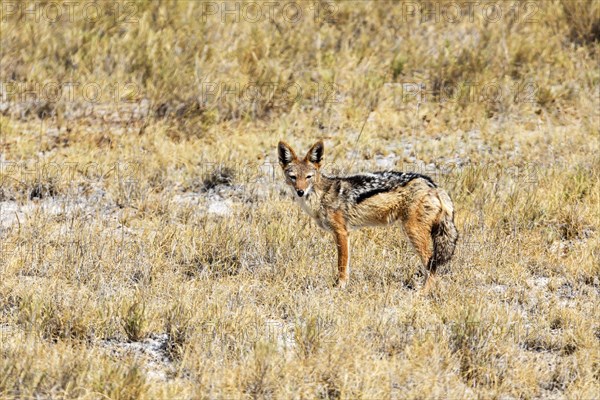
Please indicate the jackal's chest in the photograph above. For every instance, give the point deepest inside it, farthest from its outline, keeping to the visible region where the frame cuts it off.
(312, 207)
(309, 206)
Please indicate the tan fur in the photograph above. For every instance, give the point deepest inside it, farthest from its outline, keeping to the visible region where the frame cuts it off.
(425, 211)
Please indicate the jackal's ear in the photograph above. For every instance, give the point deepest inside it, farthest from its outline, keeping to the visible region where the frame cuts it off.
(315, 154)
(285, 153)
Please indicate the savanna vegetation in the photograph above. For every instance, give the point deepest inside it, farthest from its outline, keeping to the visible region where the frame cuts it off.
(150, 249)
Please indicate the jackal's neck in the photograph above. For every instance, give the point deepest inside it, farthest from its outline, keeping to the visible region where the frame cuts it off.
(322, 183)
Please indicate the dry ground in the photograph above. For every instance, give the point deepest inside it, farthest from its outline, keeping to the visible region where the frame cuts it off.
(149, 248)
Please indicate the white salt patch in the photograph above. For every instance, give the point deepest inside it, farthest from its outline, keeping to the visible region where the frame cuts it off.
(220, 207)
(152, 350)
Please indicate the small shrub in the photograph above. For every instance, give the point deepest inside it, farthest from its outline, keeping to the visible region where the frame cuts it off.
(583, 19)
(133, 320)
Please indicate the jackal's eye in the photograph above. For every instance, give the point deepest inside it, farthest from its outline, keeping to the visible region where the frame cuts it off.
(292, 177)
(309, 176)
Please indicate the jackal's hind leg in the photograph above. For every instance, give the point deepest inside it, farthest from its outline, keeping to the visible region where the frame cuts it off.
(419, 234)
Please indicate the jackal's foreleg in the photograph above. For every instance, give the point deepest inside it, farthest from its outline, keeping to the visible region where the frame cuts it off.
(340, 233)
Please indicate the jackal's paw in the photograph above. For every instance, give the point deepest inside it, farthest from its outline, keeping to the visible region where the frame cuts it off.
(430, 286)
(341, 283)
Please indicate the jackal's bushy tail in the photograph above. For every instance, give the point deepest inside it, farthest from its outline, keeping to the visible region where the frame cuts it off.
(444, 233)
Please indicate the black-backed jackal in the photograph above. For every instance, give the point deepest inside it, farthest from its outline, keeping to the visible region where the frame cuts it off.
(341, 203)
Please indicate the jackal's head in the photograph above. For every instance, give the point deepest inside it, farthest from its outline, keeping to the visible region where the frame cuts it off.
(301, 174)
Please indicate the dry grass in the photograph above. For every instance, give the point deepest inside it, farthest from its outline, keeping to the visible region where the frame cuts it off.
(151, 250)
